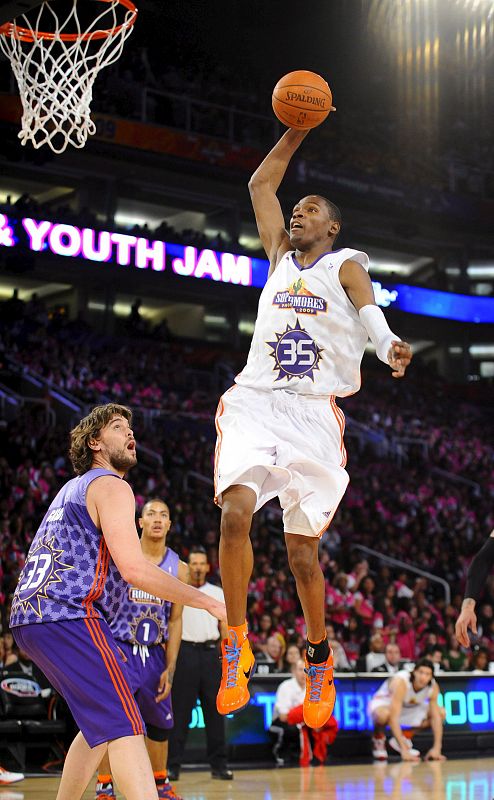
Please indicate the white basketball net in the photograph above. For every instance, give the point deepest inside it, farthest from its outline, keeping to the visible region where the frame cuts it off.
(56, 74)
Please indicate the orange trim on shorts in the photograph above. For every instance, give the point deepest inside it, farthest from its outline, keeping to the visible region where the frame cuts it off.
(219, 438)
(121, 687)
(99, 578)
(340, 419)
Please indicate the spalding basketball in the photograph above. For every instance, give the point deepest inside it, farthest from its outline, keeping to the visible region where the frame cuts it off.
(302, 99)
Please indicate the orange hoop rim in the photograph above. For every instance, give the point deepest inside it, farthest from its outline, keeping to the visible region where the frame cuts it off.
(10, 29)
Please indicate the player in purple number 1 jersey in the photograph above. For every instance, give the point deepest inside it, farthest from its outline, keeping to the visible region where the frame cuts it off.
(149, 632)
(83, 557)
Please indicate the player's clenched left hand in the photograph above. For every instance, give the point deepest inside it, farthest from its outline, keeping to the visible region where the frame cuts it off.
(164, 687)
(399, 356)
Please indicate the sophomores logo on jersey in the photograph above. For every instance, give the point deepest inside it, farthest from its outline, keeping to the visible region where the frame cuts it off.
(298, 297)
(43, 568)
(295, 353)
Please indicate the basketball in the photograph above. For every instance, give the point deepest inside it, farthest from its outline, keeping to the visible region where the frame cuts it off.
(302, 99)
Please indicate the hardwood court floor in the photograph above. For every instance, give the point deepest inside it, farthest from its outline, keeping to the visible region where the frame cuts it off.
(471, 779)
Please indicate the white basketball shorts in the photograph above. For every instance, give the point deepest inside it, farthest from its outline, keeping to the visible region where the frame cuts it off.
(280, 443)
(410, 717)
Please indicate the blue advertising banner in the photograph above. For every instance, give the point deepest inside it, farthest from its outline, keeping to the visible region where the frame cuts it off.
(468, 701)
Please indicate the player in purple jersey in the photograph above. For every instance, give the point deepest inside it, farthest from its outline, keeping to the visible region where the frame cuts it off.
(82, 558)
(149, 632)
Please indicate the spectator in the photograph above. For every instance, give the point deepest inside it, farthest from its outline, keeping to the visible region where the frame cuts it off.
(292, 655)
(435, 654)
(376, 655)
(352, 640)
(480, 660)
(457, 660)
(405, 635)
(339, 599)
(288, 728)
(271, 659)
(363, 602)
(260, 636)
(392, 660)
(10, 650)
(340, 660)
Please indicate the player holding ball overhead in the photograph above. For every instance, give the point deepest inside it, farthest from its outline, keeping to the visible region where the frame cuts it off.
(280, 431)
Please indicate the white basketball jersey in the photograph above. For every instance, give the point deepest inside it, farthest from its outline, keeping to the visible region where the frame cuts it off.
(412, 698)
(308, 336)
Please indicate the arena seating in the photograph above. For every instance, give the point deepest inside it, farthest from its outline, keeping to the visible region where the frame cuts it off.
(420, 465)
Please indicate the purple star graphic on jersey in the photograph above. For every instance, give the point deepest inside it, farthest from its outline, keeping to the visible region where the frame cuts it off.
(43, 568)
(295, 353)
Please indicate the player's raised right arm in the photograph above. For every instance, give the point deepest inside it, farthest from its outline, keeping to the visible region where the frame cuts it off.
(111, 505)
(263, 186)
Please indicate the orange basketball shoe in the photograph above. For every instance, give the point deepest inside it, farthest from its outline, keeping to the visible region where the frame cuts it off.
(320, 693)
(237, 666)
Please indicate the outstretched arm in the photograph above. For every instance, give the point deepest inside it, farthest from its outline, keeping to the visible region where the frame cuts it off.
(435, 753)
(389, 348)
(263, 186)
(399, 690)
(476, 578)
(111, 504)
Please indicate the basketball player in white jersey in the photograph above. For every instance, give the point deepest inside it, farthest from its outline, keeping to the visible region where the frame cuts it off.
(408, 700)
(280, 432)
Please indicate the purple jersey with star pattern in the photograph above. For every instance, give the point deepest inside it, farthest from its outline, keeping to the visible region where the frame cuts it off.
(69, 573)
(143, 618)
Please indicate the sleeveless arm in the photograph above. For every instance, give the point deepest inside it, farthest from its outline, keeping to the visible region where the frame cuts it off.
(479, 569)
(398, 693)
(112, 503)
(390, 348)
(263, 186)
(436, 718)
(476, 578)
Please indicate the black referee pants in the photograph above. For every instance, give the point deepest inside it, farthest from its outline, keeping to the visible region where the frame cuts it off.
(197, 675)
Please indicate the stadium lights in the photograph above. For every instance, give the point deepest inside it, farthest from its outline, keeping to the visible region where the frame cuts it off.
(481, 350)
(481, 270)
(474, 5)
(396, 265)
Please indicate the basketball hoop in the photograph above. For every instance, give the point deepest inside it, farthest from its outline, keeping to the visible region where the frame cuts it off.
(56, 61)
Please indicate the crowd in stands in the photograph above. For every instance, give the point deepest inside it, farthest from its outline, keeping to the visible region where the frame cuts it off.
(419, 509)
(451, 154)
(456, 157)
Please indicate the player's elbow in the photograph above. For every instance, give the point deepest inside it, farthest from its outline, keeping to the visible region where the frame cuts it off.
(256, 182)
(130, 572)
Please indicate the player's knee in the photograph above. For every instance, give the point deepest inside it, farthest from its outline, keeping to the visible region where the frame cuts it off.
(157, 734)
(302, 562)
(380, 716)
(235, 523)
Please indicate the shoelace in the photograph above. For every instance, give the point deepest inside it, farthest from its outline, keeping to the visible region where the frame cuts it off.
(316, 675)
(232, 655)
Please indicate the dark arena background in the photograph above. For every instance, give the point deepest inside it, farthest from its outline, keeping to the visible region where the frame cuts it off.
(130, 271)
